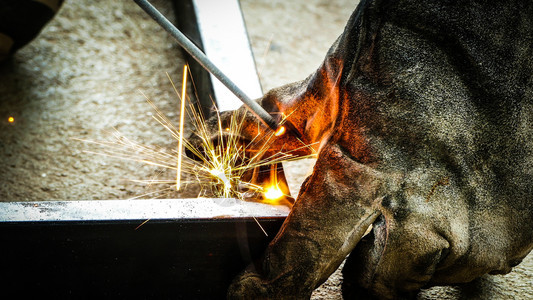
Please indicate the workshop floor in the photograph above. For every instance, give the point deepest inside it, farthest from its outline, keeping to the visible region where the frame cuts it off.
(80, 79)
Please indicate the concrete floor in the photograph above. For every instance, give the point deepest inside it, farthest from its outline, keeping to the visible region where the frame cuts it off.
(80, 79)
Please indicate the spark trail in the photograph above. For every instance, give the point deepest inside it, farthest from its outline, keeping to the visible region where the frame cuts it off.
(220, 164)
(182, 121)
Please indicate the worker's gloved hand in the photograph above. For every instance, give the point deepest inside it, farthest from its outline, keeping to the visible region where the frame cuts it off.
(422, 124)
(21, 21)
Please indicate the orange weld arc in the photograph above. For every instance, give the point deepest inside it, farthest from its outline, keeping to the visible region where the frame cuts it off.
(182, 118)
(280, 131)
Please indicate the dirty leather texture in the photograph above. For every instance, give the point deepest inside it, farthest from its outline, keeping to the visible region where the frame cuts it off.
(421, 116)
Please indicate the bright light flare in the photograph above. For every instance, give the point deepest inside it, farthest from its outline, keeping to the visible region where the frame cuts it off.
(281, 130)
(11, 120)
(273, 192)
(221, 175)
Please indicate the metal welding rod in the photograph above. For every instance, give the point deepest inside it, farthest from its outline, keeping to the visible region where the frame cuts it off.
(202, 59)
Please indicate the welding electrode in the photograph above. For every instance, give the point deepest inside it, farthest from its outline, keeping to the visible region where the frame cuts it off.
(202, 59)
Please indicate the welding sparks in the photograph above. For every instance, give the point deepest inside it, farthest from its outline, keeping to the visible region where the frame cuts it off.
(221, 161)
(182, 119)
(221, 175)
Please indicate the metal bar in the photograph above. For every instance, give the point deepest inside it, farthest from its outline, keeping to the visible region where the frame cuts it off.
(187, 22)
(218, 29)
(96, 249)
(115, 210)
(202, 59)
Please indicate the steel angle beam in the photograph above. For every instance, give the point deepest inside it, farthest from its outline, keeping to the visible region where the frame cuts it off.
(150, 249)
(217, 27)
